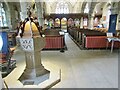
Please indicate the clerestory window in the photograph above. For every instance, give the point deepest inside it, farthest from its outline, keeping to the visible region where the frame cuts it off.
(62, 8)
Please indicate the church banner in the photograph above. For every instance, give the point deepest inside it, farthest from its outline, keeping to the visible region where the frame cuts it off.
(112, 23)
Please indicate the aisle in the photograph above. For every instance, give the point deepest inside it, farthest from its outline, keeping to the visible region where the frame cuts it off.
(84, 68)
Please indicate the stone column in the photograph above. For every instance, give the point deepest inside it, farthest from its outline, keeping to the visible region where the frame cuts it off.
(60, 22)
(81, 22)
(23, 6)
(11, 16)
(90, 21)
(39, 6)
(118, 22)
(118, 17)
(114, 8)
(91, 15)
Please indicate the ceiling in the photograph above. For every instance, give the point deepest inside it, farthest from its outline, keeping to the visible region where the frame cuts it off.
(74, 5)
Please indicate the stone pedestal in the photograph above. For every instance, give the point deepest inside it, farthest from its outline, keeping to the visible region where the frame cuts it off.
(34, 69)
(90, 22)
(32, 42)
(81, 22)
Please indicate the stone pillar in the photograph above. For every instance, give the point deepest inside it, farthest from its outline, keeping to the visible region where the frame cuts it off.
(118, 22)
(39, 6)
(11, 16)
(60, 22)
(90, 16)
(90, 21)
(81, 22)
(7, 13)
(114, 8)
(24, 6)
(118, 17)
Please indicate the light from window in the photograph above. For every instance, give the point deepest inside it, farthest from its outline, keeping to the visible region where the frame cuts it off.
(62, 7)
(86, 9)
(3, 22)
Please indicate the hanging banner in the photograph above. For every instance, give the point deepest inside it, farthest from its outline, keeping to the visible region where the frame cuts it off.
(112, 23)
(5, 43)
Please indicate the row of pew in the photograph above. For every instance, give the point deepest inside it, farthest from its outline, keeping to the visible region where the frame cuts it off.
(90, 38)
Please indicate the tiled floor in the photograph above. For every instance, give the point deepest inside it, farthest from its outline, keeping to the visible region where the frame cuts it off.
(79, 68)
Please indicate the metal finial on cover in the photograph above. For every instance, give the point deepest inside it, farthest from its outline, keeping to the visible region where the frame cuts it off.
(28, 11)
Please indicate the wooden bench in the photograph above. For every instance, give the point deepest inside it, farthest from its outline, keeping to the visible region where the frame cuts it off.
(99, 42)
(54, 40)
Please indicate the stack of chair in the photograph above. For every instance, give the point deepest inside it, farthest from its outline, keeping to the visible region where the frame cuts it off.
(7, 64)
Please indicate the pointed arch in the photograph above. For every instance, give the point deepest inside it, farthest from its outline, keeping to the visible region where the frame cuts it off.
(83, 7)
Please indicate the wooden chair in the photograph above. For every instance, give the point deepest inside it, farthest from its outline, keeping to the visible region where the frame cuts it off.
(111, 38)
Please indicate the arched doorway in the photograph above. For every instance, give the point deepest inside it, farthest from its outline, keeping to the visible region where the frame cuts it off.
(57, 23)
(63, 23)
(77, 23)
(51, 23)
(46, 22)
(85, 23)
(70, 22)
